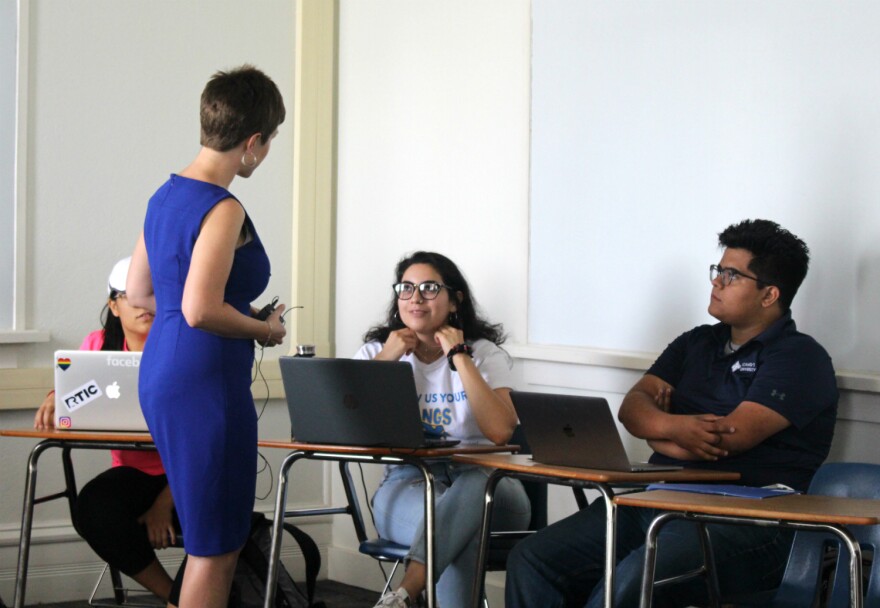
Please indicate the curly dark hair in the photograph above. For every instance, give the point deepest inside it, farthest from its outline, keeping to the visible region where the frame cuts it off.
(778, 257)
(470, 322)
(238, 103)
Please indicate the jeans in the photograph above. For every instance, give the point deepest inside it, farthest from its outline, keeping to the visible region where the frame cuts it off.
(563, 564)
(399, 508)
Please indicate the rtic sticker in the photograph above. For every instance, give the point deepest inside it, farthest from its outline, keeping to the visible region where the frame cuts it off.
(81, 396)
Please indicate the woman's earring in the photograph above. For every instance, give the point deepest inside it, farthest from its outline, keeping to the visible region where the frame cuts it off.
(244, 159)
(396, 316)
(454, 320)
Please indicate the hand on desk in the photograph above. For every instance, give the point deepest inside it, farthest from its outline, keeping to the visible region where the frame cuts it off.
(45, 417)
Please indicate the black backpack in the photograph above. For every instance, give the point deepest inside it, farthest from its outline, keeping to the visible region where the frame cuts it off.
(249, 581)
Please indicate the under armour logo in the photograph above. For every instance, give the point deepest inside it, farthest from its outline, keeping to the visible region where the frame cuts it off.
(777, 394)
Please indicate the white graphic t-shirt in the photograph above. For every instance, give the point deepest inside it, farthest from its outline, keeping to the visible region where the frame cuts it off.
(442, 399)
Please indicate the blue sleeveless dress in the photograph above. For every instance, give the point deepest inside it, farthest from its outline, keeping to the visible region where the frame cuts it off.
(195, 386)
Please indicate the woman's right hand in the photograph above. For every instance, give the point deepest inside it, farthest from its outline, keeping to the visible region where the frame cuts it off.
(45, 417)
(276, 330)
(159, 520)
(399, 343)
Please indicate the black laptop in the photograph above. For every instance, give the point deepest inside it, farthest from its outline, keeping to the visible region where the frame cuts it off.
(355, 402)
(575, 431)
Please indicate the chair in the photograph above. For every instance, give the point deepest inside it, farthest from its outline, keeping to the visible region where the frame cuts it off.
(380, 549)
(814, 574)
(501, 543)
(802, 581)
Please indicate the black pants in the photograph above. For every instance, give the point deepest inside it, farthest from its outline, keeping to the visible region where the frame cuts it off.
(106, 515)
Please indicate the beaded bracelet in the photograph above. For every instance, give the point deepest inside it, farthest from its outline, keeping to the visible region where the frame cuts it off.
(457, 349)
(268, 337)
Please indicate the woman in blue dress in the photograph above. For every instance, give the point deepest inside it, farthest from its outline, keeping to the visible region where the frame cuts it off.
(200, 263)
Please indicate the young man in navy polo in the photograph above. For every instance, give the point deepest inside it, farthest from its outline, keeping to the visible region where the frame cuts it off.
(749, 394)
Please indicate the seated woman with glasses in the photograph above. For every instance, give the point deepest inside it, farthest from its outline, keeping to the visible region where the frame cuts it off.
(463, 380)
(126, 512)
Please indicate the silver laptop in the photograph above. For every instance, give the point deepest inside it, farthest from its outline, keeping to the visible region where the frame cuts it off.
(97, 390)
(575, 431)
(355, 402)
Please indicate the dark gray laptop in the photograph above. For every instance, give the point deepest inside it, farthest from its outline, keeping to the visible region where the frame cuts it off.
(354, 402)
(575, 431)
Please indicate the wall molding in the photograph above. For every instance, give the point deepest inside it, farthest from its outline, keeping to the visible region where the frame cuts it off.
(640, 361)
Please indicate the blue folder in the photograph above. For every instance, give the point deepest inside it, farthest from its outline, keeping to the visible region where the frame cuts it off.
(723, 489)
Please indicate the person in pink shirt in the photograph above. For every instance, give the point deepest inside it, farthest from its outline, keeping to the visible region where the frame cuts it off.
(126, 512)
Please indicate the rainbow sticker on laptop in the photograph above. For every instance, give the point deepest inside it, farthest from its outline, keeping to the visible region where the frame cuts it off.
(63, 363)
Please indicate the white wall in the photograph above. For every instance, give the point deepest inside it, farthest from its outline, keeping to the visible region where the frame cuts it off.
(433, 154)
(433, 151)
(675, 119)
(114, 108)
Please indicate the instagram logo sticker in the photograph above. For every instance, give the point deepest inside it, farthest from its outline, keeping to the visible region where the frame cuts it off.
(64, 422)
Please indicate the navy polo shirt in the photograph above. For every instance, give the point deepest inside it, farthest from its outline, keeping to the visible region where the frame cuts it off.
(782, 369)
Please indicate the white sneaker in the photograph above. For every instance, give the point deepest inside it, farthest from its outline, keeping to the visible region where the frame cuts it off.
(394, 599)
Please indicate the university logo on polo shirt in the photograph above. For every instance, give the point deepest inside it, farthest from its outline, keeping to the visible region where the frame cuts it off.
(744, 367)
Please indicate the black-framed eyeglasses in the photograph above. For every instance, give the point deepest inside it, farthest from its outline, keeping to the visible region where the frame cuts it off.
(729, 275)
(428, 290)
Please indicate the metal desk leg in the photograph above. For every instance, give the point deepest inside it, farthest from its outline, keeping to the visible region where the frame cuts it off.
(483, 547)
(27, 521)
(430, 549)
(610, 541)
(709, 569)
(280, 512)
(278, 526)
(430, 528)
(855, 564)
(855, 551)
(647, 589)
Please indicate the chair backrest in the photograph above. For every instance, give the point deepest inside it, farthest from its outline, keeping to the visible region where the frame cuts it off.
(803, 573)
(354, 506)
(537, 492)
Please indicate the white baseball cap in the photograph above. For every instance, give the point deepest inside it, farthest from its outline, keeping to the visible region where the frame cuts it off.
(116, 280)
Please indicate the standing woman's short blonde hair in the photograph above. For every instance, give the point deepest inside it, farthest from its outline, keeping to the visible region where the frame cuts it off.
(238, 103)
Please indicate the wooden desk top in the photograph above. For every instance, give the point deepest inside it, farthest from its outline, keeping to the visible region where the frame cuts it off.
(523, 463)
(117, 436)
(793, 507)
(142, 438)
(462, 448)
